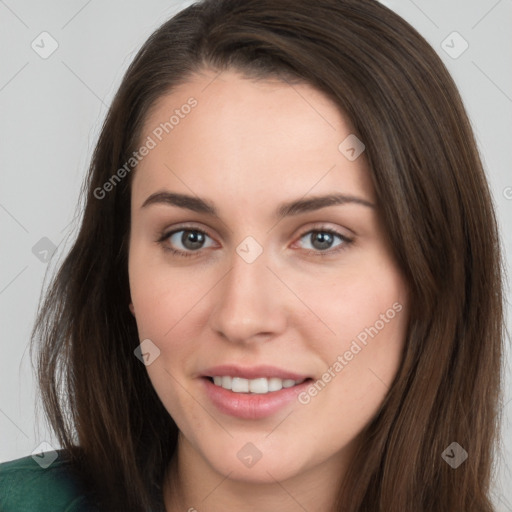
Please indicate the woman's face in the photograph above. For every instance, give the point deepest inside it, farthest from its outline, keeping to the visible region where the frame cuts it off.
(292, 300)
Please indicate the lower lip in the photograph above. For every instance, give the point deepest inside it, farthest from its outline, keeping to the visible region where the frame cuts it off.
(251, 406)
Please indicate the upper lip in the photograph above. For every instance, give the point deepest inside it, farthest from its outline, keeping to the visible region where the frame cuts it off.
(252, 372)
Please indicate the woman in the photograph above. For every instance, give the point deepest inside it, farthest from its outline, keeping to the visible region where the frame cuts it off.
(286, 290)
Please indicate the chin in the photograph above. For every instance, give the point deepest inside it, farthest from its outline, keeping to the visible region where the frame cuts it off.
(253, 463)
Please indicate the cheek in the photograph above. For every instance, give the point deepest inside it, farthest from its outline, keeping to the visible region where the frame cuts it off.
(162, 296)
(367, 310)
(166, 303)
(358, 305)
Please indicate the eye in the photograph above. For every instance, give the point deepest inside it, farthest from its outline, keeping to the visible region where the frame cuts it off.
(189, 241)
(184, 242)
(324, 240)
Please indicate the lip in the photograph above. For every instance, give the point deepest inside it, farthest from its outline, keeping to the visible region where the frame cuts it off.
(252, 372)
(251, 406)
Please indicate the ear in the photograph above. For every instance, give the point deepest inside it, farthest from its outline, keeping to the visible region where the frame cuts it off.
(132, 309)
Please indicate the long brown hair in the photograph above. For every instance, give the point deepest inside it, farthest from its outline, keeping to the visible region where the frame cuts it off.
(437, 211)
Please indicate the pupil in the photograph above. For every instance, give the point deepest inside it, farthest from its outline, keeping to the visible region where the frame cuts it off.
(192, 239)
(322, 240)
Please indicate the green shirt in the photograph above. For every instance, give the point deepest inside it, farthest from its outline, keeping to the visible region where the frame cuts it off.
(26, 487)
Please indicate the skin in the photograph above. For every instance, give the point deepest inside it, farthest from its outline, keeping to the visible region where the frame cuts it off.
(247, 147)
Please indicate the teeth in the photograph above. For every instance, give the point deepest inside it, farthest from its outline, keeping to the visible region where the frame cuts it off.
(261, 385)
(275, 384)
(258, 385)
(239, 385)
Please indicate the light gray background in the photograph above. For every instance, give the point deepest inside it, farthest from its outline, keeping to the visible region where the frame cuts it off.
(51, 112)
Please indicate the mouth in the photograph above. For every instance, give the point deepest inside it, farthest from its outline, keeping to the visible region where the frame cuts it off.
(254, 392)
(258, 385)
(252, 397)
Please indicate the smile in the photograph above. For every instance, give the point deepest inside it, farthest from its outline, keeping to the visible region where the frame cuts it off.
(269, 395)
(260, 385)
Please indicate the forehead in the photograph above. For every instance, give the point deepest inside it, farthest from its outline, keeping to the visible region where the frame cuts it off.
(247, 139)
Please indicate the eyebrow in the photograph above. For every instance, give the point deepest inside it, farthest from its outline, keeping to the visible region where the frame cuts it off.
(297, 207)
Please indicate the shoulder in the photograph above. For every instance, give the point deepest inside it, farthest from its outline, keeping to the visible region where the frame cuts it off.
(26, 485)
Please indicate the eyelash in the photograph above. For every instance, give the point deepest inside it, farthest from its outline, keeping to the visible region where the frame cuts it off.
(186, 254)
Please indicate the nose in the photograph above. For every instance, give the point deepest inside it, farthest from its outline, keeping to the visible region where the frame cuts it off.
(250, 302)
